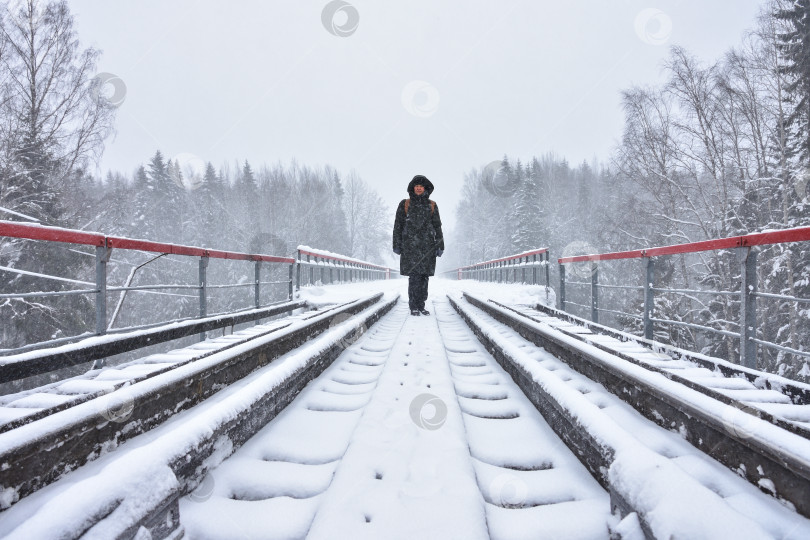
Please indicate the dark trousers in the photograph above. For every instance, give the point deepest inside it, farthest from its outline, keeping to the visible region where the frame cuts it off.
(417, 291)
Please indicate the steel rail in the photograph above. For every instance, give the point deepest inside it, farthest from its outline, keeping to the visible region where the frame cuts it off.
(747, 453)
(28, 364)
(88, 434)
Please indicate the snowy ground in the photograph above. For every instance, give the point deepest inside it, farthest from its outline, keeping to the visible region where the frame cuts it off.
(414, 432)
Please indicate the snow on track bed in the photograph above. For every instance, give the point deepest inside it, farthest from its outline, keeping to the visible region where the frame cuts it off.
(533, 486)
(413, 432)
(676, 489)
(776, 399)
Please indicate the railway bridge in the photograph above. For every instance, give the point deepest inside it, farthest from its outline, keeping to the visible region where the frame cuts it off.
(262, 396)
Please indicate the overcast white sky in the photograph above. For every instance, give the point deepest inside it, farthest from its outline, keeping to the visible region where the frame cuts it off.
(266, 80)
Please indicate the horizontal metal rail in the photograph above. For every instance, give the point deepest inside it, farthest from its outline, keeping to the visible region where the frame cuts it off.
(578, 305)
(695, 291)
(622, 313)
(508, 258)
(606, 286)
(47, 293)
(56, 234)
(152, 288)
(799, 234)
(781, 297)
(697, 327)
(44, 276)
(790, 350)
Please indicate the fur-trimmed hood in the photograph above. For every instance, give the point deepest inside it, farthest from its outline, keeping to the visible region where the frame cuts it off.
(423, 181)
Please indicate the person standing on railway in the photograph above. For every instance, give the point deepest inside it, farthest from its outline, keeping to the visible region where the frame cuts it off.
(418, 240)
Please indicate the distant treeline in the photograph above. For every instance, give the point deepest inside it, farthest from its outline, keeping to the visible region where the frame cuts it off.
(719, 149)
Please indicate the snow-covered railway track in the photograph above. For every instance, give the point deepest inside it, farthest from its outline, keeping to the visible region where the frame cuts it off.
(41, 451)
(580, 390)
(414, 432)
(24, 407)
(782, 402)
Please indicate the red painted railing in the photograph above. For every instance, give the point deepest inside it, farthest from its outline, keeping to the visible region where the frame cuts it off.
(748, 293)
(332, 267)
(69, 236)
(509, 258)
(798, 234)
(347, 269)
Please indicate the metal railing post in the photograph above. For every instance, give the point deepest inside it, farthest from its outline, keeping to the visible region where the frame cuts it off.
(748, 306)
(649, 296)
(102, 258)
(203, 283)
(523, 271)
(298, 272)
(562, 287)
(548, 283)
(257, 275)
(594, 292)
(290, 289)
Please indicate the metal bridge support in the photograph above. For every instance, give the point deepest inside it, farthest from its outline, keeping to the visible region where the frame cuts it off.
(562, 287)
(298, 272)
(290, 288)
(548, 283)
(257, 275)
(203, 280)
(102, 258)
(594, 292)
(523, 272)
(649, 296)
(748, 306)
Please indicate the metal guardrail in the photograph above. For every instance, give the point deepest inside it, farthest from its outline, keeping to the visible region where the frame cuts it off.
(333, 268)
(746, 250)
(498, 270)
(347, 269)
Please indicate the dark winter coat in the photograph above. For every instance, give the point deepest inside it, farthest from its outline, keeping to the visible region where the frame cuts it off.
(418, 234)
